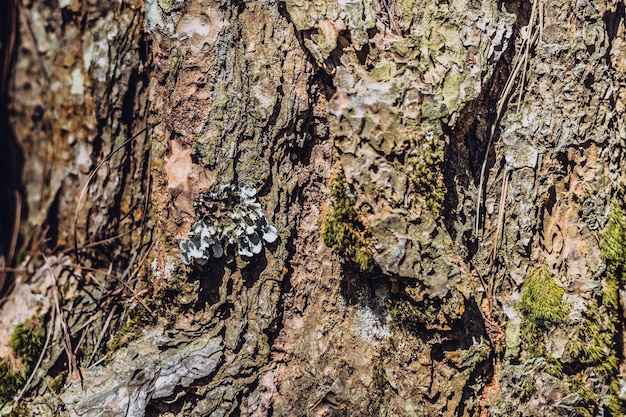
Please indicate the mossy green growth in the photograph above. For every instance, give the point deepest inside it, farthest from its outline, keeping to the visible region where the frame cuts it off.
(27, 340)
(587, 404)
(542, 307)
(138, 318)
(20, 410)
(613, 250)
(427, 177)
(11, 381)
(408, 316)
(343, 230)
(616, 405)
(593, 344)
(379, 378)
(613, 242)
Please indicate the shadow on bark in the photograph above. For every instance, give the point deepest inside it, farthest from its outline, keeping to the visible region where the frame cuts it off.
(11, 158)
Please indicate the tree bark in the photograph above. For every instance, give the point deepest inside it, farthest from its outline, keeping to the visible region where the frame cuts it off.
(320, 208)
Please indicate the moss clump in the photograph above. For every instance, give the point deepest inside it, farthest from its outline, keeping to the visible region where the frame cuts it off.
(379, 378)
(542, 307)
(343, 230)
(26, 342)
(427, 177)
(616, 405)
(11, 381)
(594, 343)
(414, 311)
(409, 316)
(587, 405)
(613, 243)
(613, 249)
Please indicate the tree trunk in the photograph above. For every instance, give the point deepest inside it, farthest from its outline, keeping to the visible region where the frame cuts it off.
(310, 208)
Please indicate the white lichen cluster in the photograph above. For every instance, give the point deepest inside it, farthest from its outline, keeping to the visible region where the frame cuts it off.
(230, 217)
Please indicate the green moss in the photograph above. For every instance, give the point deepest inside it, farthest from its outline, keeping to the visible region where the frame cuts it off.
(616, 405)
(343, 230)
(613, 242)
(427, 177)
(593, 344)
(603, 350)
(137, 320)
(379, 378)
(542, 298)
(613, 250)
(20, 410)
(527, 387)
(27, 340)
(166, 5)
(409, 316)
(587, 405)
(542, 308)
(11, 381)
(57, 383)
(610, 293)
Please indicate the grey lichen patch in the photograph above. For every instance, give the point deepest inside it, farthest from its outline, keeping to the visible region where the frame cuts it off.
(228, 217)
(142, 372)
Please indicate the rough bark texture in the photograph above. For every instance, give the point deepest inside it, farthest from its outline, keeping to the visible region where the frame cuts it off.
(445, 179)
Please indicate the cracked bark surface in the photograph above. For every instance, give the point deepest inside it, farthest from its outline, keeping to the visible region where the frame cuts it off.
(481, 146)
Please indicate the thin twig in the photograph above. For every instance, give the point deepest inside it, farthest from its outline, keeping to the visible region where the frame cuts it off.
(107, 323)
(135, 296)
(14, 270)
(526, 45)
(91, 319)
(8, 261)
(99, 361)
(530, 39)
(500, 224)
(392, 20)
